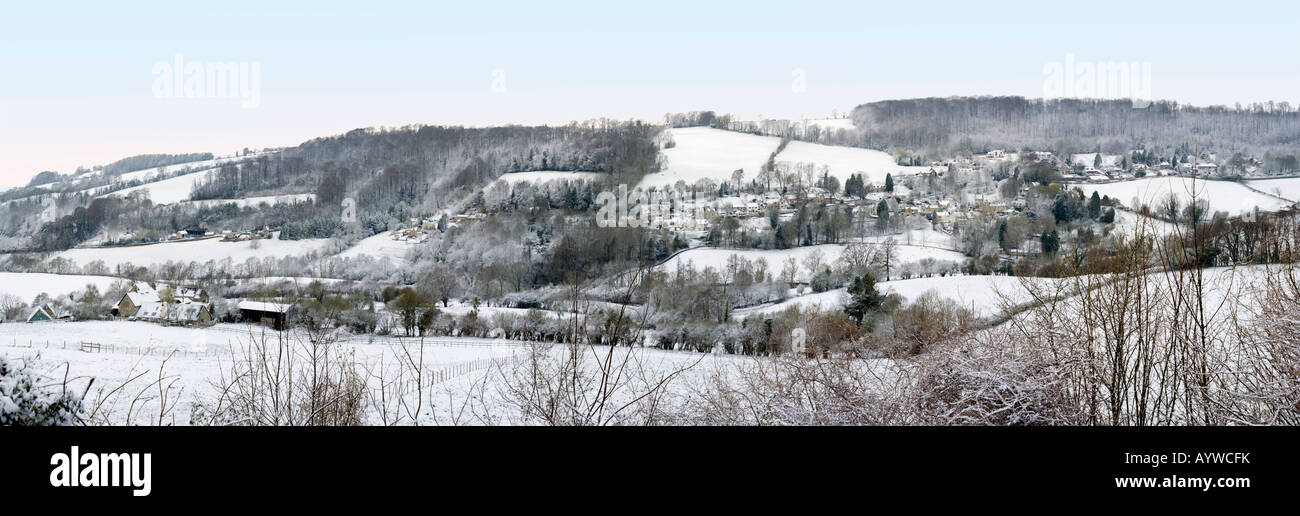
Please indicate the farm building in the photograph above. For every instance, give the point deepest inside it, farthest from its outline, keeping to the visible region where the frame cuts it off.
(131, 302)
(143, 293)
(269, 313)
(43, 313)
(178, 314)
(189, 314)
(153, 311)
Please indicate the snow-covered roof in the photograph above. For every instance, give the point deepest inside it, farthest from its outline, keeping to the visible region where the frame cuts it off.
(185, 312)
(263, 306)
(154, 310)
(141, 298)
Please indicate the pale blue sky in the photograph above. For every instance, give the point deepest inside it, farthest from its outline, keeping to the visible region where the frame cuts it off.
(77, 85)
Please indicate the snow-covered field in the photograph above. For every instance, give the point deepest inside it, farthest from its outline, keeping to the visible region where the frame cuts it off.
(703, 152)
(1222, 195)
(380, 246)
(28, 285)
(196, 251)
(457, 371)
(152, 173)
(170, 190)
(982, 294)
(701, 257)
(253, 201)
(918, 237)
(542, 176)
(1126, 224)
(845, 161)
(1288, 189)
(827, 301)
(197, 356)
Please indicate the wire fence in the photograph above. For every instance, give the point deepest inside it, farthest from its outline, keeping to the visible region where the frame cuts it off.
(214, 351)
(97, 347)
(460, 369)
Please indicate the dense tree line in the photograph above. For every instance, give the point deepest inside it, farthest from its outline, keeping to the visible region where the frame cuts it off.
(421, 170)
(944, 126)
(144, 161)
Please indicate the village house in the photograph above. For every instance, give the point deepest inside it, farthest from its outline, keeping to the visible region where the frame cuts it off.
(189, 314)
(164, 304)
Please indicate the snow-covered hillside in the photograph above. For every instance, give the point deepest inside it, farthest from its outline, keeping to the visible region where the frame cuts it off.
(845, 161)
(703, 152)
(169, 190)
(29, 285)
(983, 295)
(1222, 195)
(380, 246)
(150, 174)
(195, 251)
(1288, 188)
(828, 301)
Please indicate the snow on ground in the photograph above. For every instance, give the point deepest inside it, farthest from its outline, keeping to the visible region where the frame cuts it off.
(1126, 223)
(828, 301)
(701, 257)
(981, 294)
(1227, 290)
(170, 190)
(197, 357)
(380, 246)
(153, 173)
(196, 251)
(253, 201)
(1222, 195)
(845, 161)
(704, 152)
(542, 176)
(1288, 188)
(27, 285)
(927, 237)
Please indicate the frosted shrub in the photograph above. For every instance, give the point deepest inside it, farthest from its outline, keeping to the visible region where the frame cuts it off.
(26, 401)
(993, 387)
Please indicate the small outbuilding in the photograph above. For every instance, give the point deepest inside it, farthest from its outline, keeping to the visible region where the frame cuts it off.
(43, 313)
(269, 313)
